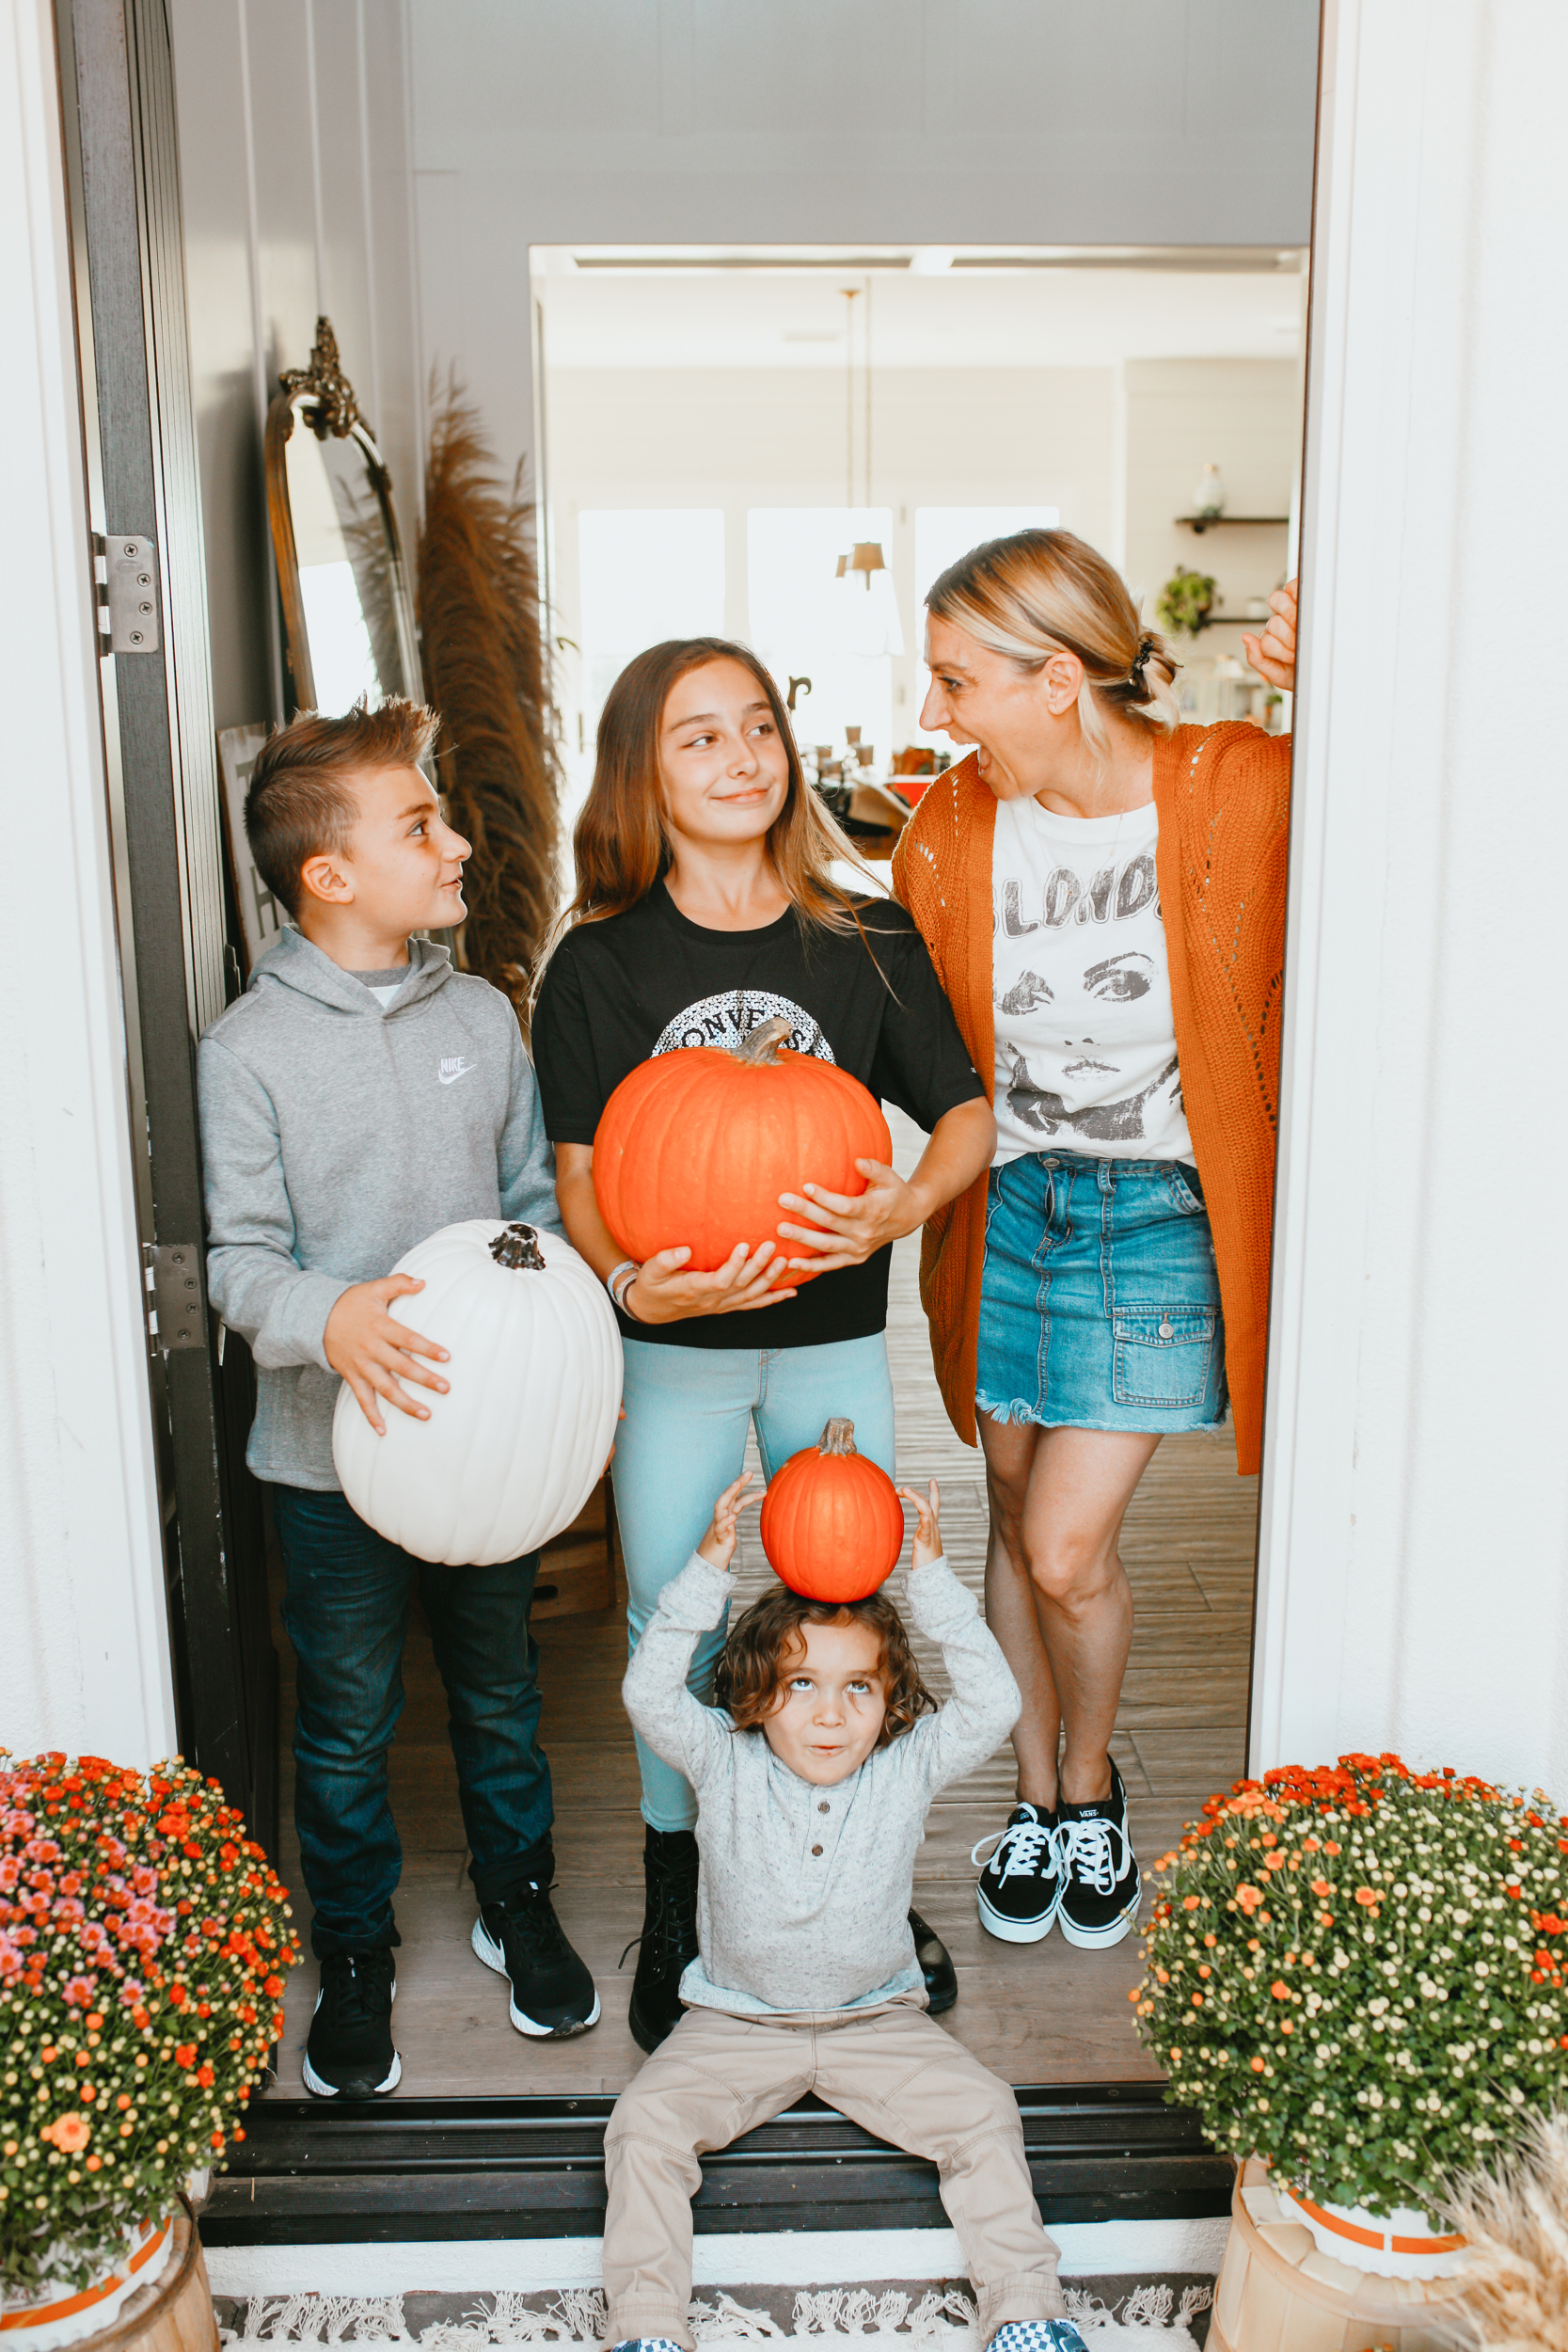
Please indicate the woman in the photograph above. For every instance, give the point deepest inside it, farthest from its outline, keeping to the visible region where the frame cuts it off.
(704, 905)
(1102, 890)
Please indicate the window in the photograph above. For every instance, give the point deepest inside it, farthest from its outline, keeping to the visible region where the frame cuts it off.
(645, 573)
(803, 624)
(943, 533)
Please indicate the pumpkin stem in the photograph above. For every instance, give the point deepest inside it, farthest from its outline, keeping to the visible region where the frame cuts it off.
(517, 1248)
(838, 1438)
(760, 1047)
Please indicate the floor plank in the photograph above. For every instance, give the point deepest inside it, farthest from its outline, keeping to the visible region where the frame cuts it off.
(1037, 2013)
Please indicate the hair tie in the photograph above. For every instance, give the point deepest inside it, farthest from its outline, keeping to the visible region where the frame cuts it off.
(1136, 675)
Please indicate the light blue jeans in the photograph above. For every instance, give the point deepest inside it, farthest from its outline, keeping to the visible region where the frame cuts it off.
(682, 1442)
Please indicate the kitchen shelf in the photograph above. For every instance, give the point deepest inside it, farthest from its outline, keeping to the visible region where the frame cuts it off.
(1256, 622)
(1201, 523)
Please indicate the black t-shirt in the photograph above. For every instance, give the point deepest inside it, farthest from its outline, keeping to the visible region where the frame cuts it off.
(650, 981)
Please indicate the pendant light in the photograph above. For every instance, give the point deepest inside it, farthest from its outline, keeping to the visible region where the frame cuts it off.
(871, 617)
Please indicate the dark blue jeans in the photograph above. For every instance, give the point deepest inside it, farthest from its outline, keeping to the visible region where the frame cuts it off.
(346, 1611)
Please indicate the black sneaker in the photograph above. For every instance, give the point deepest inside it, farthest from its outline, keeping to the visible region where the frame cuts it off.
(1100, 1900)
(553, 1994)
(350, 2053)
(936, 1967)
(669, 1937)
(1020, 1891)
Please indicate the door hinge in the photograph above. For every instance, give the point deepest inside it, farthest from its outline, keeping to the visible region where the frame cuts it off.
(126, 573)
(174, 1311)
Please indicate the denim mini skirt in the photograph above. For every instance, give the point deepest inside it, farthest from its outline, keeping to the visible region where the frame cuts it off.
(1100, 1305)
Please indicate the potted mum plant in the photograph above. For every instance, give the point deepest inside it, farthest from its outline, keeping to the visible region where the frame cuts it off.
(1357, 1975)
(143, 1947)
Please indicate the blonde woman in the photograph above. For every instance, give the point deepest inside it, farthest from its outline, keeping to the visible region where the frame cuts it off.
(705, 905)
(1102, 890)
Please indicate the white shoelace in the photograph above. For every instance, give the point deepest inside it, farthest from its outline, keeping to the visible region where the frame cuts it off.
(1085, 1854)
(1017, 1848)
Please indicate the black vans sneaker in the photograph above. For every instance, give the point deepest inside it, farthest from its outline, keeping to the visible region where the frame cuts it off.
(553, 1994)
(1099, 1898)
(1020, 1891)
(350, 2053)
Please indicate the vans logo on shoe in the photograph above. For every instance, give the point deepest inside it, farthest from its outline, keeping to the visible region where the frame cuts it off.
(452, 1068)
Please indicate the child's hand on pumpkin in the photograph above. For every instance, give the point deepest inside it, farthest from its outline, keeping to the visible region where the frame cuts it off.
(927, 1524)
(374, 1351)
(717, 1546)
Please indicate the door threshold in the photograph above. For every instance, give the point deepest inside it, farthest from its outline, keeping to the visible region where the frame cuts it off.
(424, 2169)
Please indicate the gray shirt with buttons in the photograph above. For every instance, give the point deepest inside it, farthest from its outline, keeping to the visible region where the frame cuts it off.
(803, 1905)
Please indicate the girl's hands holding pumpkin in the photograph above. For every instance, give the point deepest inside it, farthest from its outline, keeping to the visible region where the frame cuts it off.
(374, 1351)
(664, 1291)
(717, 1546)
(846, 1231)
(927, 1524)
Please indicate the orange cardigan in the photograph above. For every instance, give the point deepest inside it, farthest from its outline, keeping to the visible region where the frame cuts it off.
(1223, 797)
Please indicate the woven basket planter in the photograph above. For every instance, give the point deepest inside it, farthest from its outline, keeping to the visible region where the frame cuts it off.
(173, 2312)
(1277, 2293)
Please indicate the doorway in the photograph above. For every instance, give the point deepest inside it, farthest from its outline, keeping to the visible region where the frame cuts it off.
(716, 428)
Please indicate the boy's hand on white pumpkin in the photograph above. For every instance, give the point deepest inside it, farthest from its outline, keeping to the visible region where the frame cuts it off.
(1272, 653)
(717, 1546)
(928, 1523)
(847, 1231)
(664, 1291)
(374, 1351)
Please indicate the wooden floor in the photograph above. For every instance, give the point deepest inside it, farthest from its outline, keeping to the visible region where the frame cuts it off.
(1037, 2014)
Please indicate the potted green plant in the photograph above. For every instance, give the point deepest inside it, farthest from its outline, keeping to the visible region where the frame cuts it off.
(143, 1945)
(1357, 1974)
(1185, 602)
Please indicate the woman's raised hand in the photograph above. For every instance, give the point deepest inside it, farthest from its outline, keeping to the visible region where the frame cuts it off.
(1272, 654)
(846, 1231)
(664, 1291)
(717, 1546)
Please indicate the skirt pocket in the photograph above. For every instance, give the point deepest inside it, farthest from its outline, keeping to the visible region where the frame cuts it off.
(1162, 1355)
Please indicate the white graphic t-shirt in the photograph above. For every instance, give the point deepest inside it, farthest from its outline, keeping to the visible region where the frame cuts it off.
(1085, 1037)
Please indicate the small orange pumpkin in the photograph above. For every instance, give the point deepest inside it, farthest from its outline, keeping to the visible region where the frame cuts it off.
(832, 1525)
(694, 1148)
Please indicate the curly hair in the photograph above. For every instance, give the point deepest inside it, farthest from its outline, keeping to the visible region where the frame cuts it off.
(757, 1657)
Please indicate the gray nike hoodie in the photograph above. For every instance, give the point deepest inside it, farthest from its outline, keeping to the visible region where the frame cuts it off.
(335, 1134)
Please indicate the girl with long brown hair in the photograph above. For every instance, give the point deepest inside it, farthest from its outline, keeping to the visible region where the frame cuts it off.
(707, 903)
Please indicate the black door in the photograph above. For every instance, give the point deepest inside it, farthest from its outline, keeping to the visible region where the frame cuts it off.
(139, 434)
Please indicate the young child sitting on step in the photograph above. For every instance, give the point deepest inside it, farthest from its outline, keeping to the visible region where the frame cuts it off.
(813, 1781)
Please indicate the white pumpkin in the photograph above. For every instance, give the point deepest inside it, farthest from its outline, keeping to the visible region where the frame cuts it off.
(515, 1447)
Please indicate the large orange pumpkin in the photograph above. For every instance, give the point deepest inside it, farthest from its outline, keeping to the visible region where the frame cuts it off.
(832, 1525)
(694, 1148)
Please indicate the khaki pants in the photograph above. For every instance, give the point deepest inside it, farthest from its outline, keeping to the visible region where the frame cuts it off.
(895, 2074)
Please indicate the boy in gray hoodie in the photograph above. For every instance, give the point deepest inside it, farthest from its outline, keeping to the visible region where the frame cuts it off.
(359, 1096)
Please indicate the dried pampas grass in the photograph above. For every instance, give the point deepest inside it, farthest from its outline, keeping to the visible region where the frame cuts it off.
(487, 673)
(1516, 2220)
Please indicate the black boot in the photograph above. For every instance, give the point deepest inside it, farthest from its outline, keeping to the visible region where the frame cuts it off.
(669, 1937)
(936, 1967)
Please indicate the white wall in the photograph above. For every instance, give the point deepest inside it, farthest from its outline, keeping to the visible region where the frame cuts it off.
(297, 199)
(1416, 1510)
(748, 122)
(83, 1661)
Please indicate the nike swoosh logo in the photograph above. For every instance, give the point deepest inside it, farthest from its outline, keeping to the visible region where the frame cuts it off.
(450, 1077)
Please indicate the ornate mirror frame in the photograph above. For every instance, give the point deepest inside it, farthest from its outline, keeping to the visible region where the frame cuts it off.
(321, 396)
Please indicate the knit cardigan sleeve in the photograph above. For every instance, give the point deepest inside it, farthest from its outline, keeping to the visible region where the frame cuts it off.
(942, 873)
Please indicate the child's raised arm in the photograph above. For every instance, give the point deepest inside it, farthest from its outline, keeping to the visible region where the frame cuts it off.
(985, 1702)
(677, 1727)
